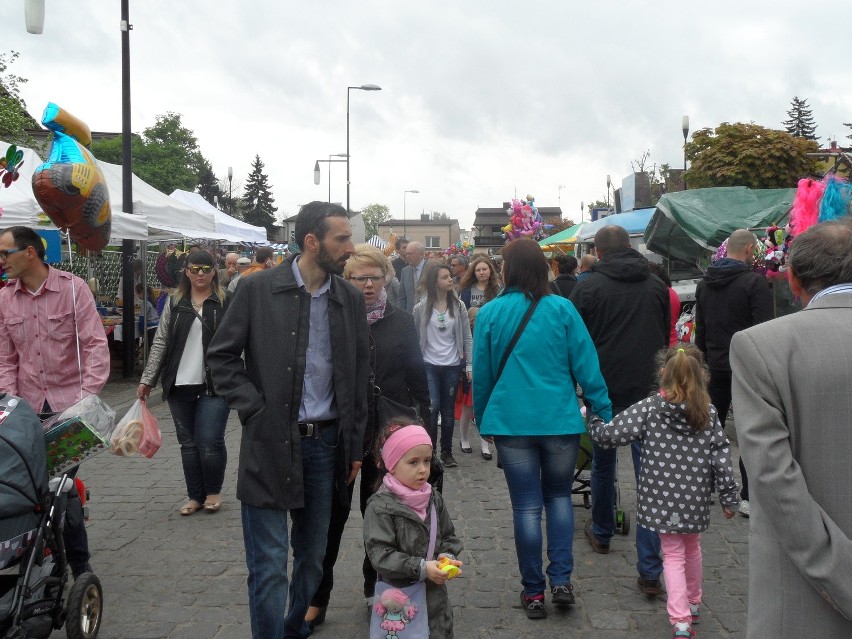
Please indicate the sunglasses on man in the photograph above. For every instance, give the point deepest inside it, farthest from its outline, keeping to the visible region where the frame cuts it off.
(196, 269)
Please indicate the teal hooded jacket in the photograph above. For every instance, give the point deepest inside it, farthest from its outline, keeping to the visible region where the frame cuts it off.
(535, 395)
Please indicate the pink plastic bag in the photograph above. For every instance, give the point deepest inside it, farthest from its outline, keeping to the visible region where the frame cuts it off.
(137, 432)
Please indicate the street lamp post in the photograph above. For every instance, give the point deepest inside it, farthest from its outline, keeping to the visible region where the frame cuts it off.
(582, 210)
(328, 161)
(363, 87)
(230, 188)
(685, 126)
(608, 186)
(404, 193)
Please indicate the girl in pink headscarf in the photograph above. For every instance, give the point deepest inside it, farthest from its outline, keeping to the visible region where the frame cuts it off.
(397, 522)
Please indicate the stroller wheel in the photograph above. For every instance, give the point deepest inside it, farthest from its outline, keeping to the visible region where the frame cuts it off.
(85, 608)
(622, 522)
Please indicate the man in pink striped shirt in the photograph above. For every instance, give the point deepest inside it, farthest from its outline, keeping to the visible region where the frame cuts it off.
(53, 349)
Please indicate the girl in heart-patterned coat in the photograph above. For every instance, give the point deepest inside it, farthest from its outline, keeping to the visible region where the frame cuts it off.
(684, 454)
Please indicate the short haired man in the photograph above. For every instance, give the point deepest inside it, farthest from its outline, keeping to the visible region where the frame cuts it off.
(585, 266)
(458, 265)
(399, 262)
(626, 310)
(409, 283)
(566, 280)
(230, 270)
(301, 395)
(729, 298)
(243, 264)
(793, 408)
(53, 349)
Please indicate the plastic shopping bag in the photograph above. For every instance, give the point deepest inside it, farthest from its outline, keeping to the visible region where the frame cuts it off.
(137, 432)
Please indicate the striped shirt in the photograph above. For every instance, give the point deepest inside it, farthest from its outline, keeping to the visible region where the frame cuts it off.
(831, 290)
(38, 348)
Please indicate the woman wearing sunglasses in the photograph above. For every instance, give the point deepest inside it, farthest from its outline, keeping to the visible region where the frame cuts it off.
(179, 353)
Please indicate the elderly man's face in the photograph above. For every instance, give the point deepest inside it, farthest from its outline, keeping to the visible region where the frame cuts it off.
(458, 268)
(412, 255)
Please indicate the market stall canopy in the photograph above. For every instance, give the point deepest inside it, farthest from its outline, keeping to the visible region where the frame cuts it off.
(687, 224)
(20, 207)
(230, 228)
(567, 236)
(632, 221)
(167, 218)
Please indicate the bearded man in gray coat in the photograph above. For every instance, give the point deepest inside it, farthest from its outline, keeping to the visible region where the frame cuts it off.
(792, 395)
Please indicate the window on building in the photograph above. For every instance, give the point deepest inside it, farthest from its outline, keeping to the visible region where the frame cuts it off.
(433, 241)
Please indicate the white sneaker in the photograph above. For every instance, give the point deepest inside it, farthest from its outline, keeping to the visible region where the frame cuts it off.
(745, 510)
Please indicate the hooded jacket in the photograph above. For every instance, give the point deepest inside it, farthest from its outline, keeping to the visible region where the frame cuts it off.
(730, 298)
(626, 310)
(679, 467)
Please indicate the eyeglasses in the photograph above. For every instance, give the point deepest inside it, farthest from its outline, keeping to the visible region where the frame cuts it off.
(4, 255)
(363, 279)
(196, 269)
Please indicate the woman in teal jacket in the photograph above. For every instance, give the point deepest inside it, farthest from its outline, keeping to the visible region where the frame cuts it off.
(532, 413)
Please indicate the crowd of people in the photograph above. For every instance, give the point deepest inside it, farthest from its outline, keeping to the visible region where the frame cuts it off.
(341, 361)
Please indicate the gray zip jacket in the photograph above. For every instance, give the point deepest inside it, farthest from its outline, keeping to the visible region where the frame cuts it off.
(679, 467)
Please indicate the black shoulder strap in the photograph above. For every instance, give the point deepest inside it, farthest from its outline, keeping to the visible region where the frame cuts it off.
(516, 337)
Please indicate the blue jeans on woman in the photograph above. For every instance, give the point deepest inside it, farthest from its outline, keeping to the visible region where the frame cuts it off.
(443, 382)
(200, 426)
(539, 471)
(267, 545)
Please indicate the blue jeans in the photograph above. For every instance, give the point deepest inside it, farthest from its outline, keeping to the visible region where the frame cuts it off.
(649, 564)
(266, 542)
(200, 426)
(443, 382)
(539, 471)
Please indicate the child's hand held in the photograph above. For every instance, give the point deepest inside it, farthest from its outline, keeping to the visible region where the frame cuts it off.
(435, 574)
(450, 567)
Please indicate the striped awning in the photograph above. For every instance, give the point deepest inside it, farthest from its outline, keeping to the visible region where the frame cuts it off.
(377, 242)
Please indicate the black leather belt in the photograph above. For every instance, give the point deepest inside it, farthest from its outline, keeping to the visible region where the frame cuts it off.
(308, 429)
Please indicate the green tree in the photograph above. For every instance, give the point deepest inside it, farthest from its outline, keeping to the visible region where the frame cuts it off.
(373, 215)
(848, 125)
(748, 155)
(14, 118)
(166, 155)
(208, 185)
(439, 215)
(256, 203)
(801, 123)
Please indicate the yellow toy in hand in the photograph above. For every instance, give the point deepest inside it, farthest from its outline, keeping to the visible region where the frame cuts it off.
(449, 566)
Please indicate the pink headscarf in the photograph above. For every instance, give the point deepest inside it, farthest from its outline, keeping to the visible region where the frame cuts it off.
(399, 443)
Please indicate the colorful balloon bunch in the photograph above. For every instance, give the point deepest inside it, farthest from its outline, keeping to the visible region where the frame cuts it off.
(10, 164)
(524, 220)
(460, 248)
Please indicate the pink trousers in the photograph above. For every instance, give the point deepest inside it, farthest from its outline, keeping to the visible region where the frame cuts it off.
(683, 572)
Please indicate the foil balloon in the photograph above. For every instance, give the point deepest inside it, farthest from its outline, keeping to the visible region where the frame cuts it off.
(10, 164)
(69, 186)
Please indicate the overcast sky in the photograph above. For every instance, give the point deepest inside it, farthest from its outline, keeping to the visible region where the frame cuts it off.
(479, 100)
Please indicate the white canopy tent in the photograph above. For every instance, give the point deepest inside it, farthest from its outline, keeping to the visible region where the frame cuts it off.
(20, 207)
(229, 228)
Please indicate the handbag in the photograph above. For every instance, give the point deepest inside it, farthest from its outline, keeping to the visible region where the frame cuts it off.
(402, 612)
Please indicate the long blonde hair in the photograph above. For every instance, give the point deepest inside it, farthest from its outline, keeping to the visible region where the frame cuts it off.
(683, 378)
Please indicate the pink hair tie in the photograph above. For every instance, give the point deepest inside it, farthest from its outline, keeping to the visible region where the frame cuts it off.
(401, 441)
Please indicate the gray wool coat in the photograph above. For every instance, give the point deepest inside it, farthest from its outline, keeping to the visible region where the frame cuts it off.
(396, 540)
(792, 392)
(679, 468)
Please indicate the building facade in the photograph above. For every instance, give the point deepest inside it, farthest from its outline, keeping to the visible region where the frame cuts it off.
(435, 235)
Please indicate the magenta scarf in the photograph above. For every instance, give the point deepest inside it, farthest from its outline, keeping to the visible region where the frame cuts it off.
(417, 500)
(377, 311)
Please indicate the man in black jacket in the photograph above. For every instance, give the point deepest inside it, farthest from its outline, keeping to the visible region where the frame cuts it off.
(626, 310)
(301, 395)
(730, 298)
(566, 280)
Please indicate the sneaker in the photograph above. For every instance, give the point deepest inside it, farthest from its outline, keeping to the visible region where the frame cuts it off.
(533, 605)
(449, 460)
(745, 509)
(597, 546)
(694, 611)
(650, 587)
(562, 595)
(683, 629)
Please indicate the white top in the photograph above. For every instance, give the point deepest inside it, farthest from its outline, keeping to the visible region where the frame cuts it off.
(190, 371)
(441, 348)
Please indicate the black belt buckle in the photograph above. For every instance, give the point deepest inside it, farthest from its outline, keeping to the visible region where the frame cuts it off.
(309, 429)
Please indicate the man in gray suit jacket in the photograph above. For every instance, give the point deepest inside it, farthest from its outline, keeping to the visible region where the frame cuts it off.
(411, 274)
(792, 392)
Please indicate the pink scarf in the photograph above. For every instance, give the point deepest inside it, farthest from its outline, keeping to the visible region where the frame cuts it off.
(417, 500)
(377, 311)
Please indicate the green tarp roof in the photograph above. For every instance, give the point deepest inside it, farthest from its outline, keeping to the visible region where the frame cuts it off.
(561, 237)
(687, 224)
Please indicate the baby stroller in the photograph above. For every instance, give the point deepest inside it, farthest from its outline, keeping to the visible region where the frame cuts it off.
(36, 593)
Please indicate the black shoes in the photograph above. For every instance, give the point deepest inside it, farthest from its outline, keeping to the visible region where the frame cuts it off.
(449, 460)
(487, 457)
(562, 595)
(597, 546)
(533, 606)
(467, 450)
(650, 587)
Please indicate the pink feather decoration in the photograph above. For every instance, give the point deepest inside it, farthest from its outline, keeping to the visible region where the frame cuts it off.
(805, 212)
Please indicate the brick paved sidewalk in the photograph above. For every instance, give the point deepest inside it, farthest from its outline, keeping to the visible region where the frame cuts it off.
(165, 575)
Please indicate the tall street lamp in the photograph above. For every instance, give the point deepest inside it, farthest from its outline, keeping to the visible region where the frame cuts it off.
(608, 186)
(230, 188)
(328, 161)
(404, 193)
(685, 126)
(128, 323)
(363, 87)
